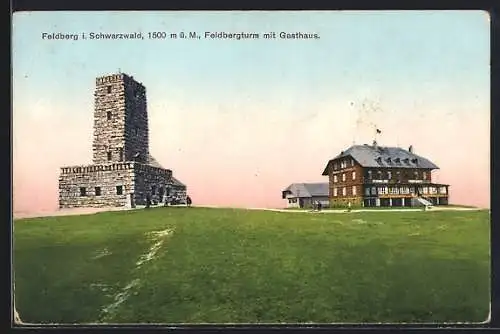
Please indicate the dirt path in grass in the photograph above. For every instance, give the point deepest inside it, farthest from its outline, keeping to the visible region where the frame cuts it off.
(88, 211)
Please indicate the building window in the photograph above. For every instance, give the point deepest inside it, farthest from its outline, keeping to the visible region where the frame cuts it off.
(108, 89)
(119, 190)
(389, 175)
(425, 190)
(374, 191)
(354, 190)
(394, 190)
(344, 191)
(108, 115)
(369, 174)
(109, 156)
(153, 189)
(367, 191)
(335, 166)
(121, 154)
(83, 191)
(424, 175)
(382, 190)
(379, 175)
(343, 177)
(335, 179)
(442, 190)
(335, 192)
(136, 131)
(354, 175)
(405, 190)
(343, 164)
(352, 162)
(415, 173)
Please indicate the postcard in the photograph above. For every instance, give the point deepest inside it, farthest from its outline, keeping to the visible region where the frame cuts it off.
(251, 167)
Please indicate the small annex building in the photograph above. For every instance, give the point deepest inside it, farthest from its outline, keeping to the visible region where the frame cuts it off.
(304, 195)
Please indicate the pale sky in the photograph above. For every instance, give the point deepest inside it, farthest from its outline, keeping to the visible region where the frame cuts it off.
(238, 121)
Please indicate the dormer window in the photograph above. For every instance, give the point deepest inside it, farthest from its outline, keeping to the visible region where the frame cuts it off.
(414, 161)
(388, 160)
(108, 89)
(379, 160)
(397, 160)
(406, 160)
(108, 115)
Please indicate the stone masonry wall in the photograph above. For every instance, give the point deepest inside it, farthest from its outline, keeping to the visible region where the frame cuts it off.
(107, 177)
(109, 119)
(151, 181)
(136, 121)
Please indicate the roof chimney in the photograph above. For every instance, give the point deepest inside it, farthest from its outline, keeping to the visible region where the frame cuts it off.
(410, 149)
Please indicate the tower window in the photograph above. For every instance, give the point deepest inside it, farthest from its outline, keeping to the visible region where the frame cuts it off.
(108, 89)
(98, 191)
(136, 130)
(153, 190)
(121, 154)
(108, 115)
(83, 191)
(109, 156)
(119, 190)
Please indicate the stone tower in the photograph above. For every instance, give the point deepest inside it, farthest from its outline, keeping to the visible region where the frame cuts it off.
(120, 120)
(123, 172)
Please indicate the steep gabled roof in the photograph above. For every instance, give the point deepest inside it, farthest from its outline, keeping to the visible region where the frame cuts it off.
(307, 189)
(153, 162)
(380, 157)
(177, 183)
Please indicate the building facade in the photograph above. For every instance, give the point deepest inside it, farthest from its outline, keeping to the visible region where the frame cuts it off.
(371, 175)
(305, 195)
(123, 172)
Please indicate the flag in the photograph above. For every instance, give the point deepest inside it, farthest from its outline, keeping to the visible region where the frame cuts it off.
(378, 131)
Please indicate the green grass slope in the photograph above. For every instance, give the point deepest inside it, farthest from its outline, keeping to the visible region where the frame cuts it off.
(245, 266)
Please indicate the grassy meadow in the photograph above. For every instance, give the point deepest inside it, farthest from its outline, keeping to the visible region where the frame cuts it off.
(247, 266)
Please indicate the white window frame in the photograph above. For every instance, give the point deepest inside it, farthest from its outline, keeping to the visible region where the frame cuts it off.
(335, 179)
(382, 190)
(335, 192)
(354, 190)
(354, 175)
(343, 177)
(344, 191)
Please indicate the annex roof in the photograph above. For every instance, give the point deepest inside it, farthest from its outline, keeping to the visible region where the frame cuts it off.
(308, 189)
